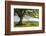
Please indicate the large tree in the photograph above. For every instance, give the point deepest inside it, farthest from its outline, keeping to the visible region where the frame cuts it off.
(20, 13)
(29, 12)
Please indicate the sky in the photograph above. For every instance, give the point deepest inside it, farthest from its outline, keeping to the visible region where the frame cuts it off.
(17, 19)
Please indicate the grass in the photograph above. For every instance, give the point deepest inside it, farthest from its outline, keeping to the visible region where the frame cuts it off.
(27, 24)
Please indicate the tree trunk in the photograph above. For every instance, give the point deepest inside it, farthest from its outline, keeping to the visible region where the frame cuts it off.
(20, 22)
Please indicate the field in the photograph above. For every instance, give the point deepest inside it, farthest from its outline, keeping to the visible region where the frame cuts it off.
(27, 24)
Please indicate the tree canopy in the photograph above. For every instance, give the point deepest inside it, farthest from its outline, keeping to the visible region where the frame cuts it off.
(29, 12)
(34, 13)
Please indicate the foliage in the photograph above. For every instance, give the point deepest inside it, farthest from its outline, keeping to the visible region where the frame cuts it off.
(34, 13)
(29, 12)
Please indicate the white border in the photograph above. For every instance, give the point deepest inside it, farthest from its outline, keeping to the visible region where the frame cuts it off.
(25, 28)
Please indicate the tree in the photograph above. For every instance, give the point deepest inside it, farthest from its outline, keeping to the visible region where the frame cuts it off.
(20, 13)
(28, 12)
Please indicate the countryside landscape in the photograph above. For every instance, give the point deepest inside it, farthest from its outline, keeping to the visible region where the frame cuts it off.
(26, 17)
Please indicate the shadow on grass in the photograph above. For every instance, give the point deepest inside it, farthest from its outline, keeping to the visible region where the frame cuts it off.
(27, 24)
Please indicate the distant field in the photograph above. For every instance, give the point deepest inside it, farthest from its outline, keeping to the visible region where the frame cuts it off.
(27, 24)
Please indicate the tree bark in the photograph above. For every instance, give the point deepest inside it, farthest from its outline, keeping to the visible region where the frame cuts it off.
(20, 22)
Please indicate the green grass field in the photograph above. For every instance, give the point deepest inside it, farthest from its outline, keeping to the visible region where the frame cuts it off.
(27, 24)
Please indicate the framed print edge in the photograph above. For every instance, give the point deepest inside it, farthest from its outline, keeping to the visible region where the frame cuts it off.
(8, 17)
(25, 28)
